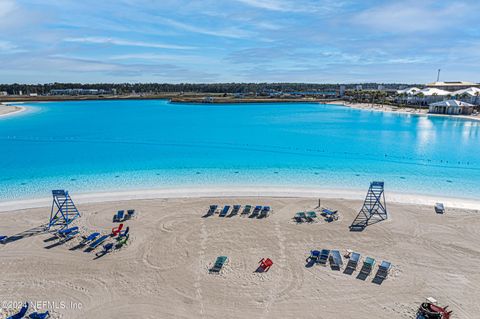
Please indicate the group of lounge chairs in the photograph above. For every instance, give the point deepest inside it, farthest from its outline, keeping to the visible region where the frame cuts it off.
(95, 239)
(248, 210)
(22, 313)
(312, 216)
(120, 216)
(336, 262)
(264, 264)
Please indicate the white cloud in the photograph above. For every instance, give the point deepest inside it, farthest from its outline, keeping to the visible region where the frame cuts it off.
(6, 7)
(409, 17)
(230, 32)
(114, 41)
(6, 46)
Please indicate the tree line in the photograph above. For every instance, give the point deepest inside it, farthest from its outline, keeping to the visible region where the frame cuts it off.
(128, 88)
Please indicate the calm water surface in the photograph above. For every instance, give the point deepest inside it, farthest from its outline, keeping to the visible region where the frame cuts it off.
(113, 145)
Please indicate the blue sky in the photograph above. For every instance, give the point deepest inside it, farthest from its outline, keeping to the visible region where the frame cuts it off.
(334, 41)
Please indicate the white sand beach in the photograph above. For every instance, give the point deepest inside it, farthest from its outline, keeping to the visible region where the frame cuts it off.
(400, 110)
(164, 270)
(8, 110)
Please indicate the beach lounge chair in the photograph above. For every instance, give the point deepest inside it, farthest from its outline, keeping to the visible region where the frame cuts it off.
(118, 217)
(324, 254)
(310, 216)
(368, 265)
(64, 232)
(97, 242)
(264, 212)
(124, 233)
(330, 215)
(90, 238)
(300, 217)
(336, 259)
(117, 230)
(3, 239)
(314, 256)
(265, 264)
(353, 261)
(21, 313)
(130, 214)
(211, 210)
(235, 210)
(219, 263)
(122, 241)
(107, 247)
(224, 211)
(247, 210)
(38, 315)
(256, 211)
(383, 269)
(70, 235)
(439, 208)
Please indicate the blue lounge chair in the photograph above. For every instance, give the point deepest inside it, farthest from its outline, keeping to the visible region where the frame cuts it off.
(3, 239)
(66, 231)
(256, 211)
(300, 217)
(211, 210)
(314, 255)
(71, 235)
(38, 315)
(90, 237)
(383, 269)
(219, 263)
(130, 214)
(336, 259)
(353, 261)
(97, 242)
(330, 215)
(368, 265)
(107, 247)
(235, 210)
(21, 313)
(224, 211)
(118, 217)
(124, 233)
(324, 254)
(264, 212)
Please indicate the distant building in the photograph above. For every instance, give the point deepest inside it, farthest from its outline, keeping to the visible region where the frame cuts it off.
(78, 92)
(358, 87)
(33, 94)
(381, 87)
(3, 93)
(452, 86)
(342, 90)
(452, 107)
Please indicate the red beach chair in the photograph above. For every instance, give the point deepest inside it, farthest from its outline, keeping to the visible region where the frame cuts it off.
(265, 264)
(117, 230)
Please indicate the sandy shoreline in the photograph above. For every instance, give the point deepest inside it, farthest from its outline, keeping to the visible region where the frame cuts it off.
(163, 272)
(281, 192)
(9, 110)
(393, 109)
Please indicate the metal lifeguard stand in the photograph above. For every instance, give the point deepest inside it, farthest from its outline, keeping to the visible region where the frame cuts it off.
(374, 208)
(63, 210)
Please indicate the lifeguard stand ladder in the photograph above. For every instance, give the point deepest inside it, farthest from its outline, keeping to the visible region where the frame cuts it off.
(63, 211)
(374, 208)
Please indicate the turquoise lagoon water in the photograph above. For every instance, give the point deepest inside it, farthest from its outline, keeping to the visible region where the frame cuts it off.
(116, 145)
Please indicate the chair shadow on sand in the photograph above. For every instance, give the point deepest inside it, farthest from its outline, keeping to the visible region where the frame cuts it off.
(39, 230)
(260, 270)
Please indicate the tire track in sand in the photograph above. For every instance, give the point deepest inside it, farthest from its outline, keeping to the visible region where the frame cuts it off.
(201, 264)
(282, 261)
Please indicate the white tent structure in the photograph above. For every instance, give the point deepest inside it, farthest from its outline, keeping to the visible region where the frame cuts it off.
(434, 91)
(409, 91)
(473, 91)
(453, 107)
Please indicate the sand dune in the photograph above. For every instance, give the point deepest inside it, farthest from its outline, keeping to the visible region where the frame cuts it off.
(164, 271)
